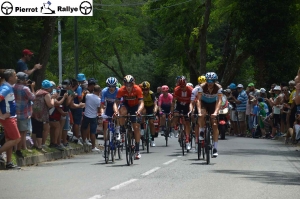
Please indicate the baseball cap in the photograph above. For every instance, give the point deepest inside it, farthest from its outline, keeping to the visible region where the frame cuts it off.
(240, 86)
(262, 90)
(277, 88)
(22, 76)
(232, 86)
(66, 82)
(250, 84)
(92, 81)
(46, 84)
(81, 77)
(27, 52)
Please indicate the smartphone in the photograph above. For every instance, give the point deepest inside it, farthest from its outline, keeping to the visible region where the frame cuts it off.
(62, 92)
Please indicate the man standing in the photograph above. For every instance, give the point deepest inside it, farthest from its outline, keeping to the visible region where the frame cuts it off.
(8, 117)
(23, 97)
(22, 66)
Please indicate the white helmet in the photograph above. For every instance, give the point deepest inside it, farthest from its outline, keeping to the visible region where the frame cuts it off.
(190, 84)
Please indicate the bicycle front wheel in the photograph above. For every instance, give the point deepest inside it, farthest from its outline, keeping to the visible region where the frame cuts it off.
(147, 138)
(128, 147)
(167, 135)
(207, 145)
(182, 140)
(120, 151)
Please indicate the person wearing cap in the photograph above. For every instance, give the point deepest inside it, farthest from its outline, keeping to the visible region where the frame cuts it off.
(8, 116)
(241, 103)
(23, 98)
(232, 112)
(22, 66)
(253, 94)
(40, 115)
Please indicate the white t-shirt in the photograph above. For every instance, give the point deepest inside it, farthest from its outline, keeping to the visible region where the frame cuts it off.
(92, 102)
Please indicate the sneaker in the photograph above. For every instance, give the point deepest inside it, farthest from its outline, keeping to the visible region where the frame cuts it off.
(11, 165)
(171, 135)
(188, 146)
(152, 143)
(41, 150)
(96, 150)
(137, 156)
(284, 135)
(79, 142)
(19, 154)
(2, 160)
(201, 136)
(215, 153)
(87, 142)
(59, 147)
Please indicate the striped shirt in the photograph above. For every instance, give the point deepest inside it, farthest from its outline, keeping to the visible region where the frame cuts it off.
(23, 98)
(243, 97)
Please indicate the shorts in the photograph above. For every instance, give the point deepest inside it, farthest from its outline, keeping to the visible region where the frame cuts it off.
(276, 120)
(90, 121)
(182, 109)
(166, 108)
(283, 117)
(37, 128)
(209, 107)
(241, 115)
(23, 125)
(77, 115)
(11, 131)
(131, 110)
(109, 112)
(149, 111)
(67, 123)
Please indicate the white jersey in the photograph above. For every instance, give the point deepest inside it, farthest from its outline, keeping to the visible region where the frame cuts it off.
(195, 92)
(92, 103)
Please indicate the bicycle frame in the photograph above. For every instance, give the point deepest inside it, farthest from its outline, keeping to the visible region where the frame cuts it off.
(147, 133)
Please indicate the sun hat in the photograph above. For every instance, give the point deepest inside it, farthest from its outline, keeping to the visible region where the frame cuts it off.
(262, 90)
(240, 86)
(81, 77)
(46, 84)
(277, 88)
(250, 84)
(232, 86)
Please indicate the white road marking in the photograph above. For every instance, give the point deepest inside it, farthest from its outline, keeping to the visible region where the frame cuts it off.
(179, 156)
(150, 171)
(97, 197)
(123, 184)
(169, 162)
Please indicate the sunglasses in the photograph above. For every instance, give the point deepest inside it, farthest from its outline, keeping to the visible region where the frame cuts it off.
(111, 86)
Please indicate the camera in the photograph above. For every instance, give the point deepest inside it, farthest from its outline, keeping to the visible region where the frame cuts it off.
(29, 82)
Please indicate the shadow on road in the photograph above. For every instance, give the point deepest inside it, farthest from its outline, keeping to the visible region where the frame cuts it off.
(253, 152)
(277, 178)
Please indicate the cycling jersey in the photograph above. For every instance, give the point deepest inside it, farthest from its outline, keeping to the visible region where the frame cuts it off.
(149, 99)
(132, 98)
(210, 97)
(183, 97)
(165, 100)
(107, 97)
(195, 93)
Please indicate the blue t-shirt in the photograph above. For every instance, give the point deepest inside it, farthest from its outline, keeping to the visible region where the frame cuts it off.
(243, 97)
(21, 66)
(255, 110)
(8, 104)
(108, 97)
(79, 95)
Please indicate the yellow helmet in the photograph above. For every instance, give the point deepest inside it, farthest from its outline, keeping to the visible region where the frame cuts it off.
(145, 85)
(201, 79)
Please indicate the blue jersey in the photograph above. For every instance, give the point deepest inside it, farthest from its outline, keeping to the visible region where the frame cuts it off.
(107, 97)
(8, 104)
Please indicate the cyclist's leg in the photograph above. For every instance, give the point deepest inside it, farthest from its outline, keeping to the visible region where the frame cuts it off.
(149, 111)
(123, 110)
(201, 120)
(214, 124)
(143, 112)
(166, 110)
(136, 129)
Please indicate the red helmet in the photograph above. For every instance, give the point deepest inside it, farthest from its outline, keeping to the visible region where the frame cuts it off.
(165, 88)
(182, 81)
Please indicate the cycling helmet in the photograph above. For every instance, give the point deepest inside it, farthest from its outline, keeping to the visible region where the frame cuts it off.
(111, 81)
(211, 76)
(145, 85)
(190, 84)
(182, 81)
(128, 79)
(165, 88)
(201, 79)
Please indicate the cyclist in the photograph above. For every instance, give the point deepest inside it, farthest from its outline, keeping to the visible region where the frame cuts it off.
(182, 97)
(108, 98)
(164, 105)
(210, 99)
(150, 107)
(133, 104)
(194, 106)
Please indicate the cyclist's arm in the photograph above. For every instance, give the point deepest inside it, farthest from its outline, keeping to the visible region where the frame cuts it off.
(173, 104)
(141, 105)
(102, 108)
(218, 104)
(115, 106)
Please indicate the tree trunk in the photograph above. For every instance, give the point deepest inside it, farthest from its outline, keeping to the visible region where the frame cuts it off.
(260, 72)
(203, 35)
(45, 48)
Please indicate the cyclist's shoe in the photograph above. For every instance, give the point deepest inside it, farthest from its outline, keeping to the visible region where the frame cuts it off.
(215, 153)
(142, 132)
(137, 155)
(188, 146)
(162, 133)
(176, 133)
(171, 135)
(201, 137)
(118, 136)
(187, 139)
(152, 143)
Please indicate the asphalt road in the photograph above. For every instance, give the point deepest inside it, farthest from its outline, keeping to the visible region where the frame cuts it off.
(246, 168)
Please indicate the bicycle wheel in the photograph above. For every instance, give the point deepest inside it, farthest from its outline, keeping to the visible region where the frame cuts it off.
(113, 153)
(207, 145)
(132, 146)
(143, 142)
(182, 140)
(167, 135)
(199, 150)
(120, 150)
(147, 138)
(127, 147)
(203, 149)
(106, 154)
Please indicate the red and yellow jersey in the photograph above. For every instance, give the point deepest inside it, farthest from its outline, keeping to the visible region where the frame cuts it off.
(184, 97)
(131, 98)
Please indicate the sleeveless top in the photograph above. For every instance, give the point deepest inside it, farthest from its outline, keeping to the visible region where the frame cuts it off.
(40, 110)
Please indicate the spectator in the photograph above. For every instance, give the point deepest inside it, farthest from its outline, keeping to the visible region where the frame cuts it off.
(253, 94)
(40, 115)
(262, 93)
(92, 110)
(23, 97)
(22, 66)
(263, 112)
(233, 94)
(291, 105)
(8, 116)
(241, 102)
(285, 109)
(276, 106)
